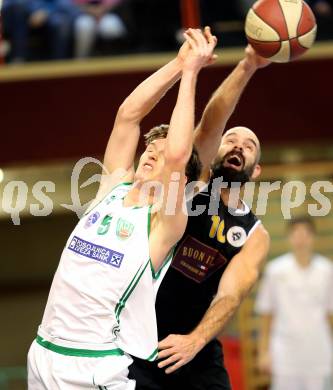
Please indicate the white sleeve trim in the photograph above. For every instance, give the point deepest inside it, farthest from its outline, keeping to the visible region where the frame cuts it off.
(254, 227)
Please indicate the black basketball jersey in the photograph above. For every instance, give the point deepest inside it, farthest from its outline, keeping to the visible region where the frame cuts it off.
(200, 257)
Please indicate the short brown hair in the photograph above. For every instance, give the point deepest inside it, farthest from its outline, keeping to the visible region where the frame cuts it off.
(302, 220)
(193, 166)
(156, 132)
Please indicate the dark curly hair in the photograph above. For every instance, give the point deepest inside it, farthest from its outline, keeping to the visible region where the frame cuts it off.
(193, 166)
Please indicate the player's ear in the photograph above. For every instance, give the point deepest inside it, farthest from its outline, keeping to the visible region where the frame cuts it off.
(256, 172)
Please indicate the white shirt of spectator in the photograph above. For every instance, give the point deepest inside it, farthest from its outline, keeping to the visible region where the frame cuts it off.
(300, 300)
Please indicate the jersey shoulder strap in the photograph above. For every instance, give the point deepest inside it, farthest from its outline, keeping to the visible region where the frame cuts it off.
(117, 192)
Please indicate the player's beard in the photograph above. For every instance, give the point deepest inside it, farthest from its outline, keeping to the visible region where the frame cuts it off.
(231, 175)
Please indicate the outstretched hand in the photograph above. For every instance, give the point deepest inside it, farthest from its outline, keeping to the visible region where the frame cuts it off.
(211, 38)
(186, 48)
(197, 50)
(177, 350)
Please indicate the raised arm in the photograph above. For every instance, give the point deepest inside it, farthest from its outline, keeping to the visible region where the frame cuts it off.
(236, 282)
(123, 142)
(222, 104)
(170, 221)
(121, 148)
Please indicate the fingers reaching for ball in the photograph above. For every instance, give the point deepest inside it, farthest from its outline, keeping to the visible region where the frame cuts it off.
(202, 45)
(212, 40)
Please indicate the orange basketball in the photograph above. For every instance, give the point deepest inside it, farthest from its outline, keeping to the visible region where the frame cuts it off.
(280, 30)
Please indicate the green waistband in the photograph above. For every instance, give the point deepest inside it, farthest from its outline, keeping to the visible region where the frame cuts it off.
(77, 352)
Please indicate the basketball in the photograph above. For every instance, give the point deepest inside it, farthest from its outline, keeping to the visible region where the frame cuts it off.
(281, 30)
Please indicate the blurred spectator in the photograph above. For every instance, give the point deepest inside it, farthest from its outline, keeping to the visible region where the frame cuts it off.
(14, 16)
(323, 10)
(98, 18)
(321, 7)
(51, 18)
(295, 303)
(54, 17)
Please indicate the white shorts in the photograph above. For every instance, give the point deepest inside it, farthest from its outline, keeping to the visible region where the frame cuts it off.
(301, 383)
(53, 367)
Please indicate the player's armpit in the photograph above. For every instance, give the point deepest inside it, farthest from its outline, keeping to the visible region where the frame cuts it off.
(169, 221)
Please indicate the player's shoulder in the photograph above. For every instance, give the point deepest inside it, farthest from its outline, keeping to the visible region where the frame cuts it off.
(121, 188)
(259, 232)
(279, 264)
(323, 262)
(107, 195)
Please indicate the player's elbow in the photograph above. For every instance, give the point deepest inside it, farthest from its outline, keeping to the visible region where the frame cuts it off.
(230, 302)
(177, 162)
(177, 157)
(127, 113)
(250, 278)
(253, 277)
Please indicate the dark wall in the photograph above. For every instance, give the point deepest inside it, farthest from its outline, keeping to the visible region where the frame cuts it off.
(72, 117)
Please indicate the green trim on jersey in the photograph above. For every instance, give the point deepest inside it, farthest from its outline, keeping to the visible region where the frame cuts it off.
(126, 183)
(169, 257)
(149, 220)
(148, 229)
(77, 352)
(121, 304)
(122, 301)
(153, 356)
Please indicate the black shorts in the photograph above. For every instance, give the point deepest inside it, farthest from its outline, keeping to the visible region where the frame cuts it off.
(205, 372)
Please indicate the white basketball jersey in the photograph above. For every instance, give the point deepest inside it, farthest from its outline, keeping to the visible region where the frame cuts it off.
(103, 289)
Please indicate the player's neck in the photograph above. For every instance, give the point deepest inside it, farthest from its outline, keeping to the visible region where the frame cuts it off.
(303, 257)
(140, 195)
(231, 198)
